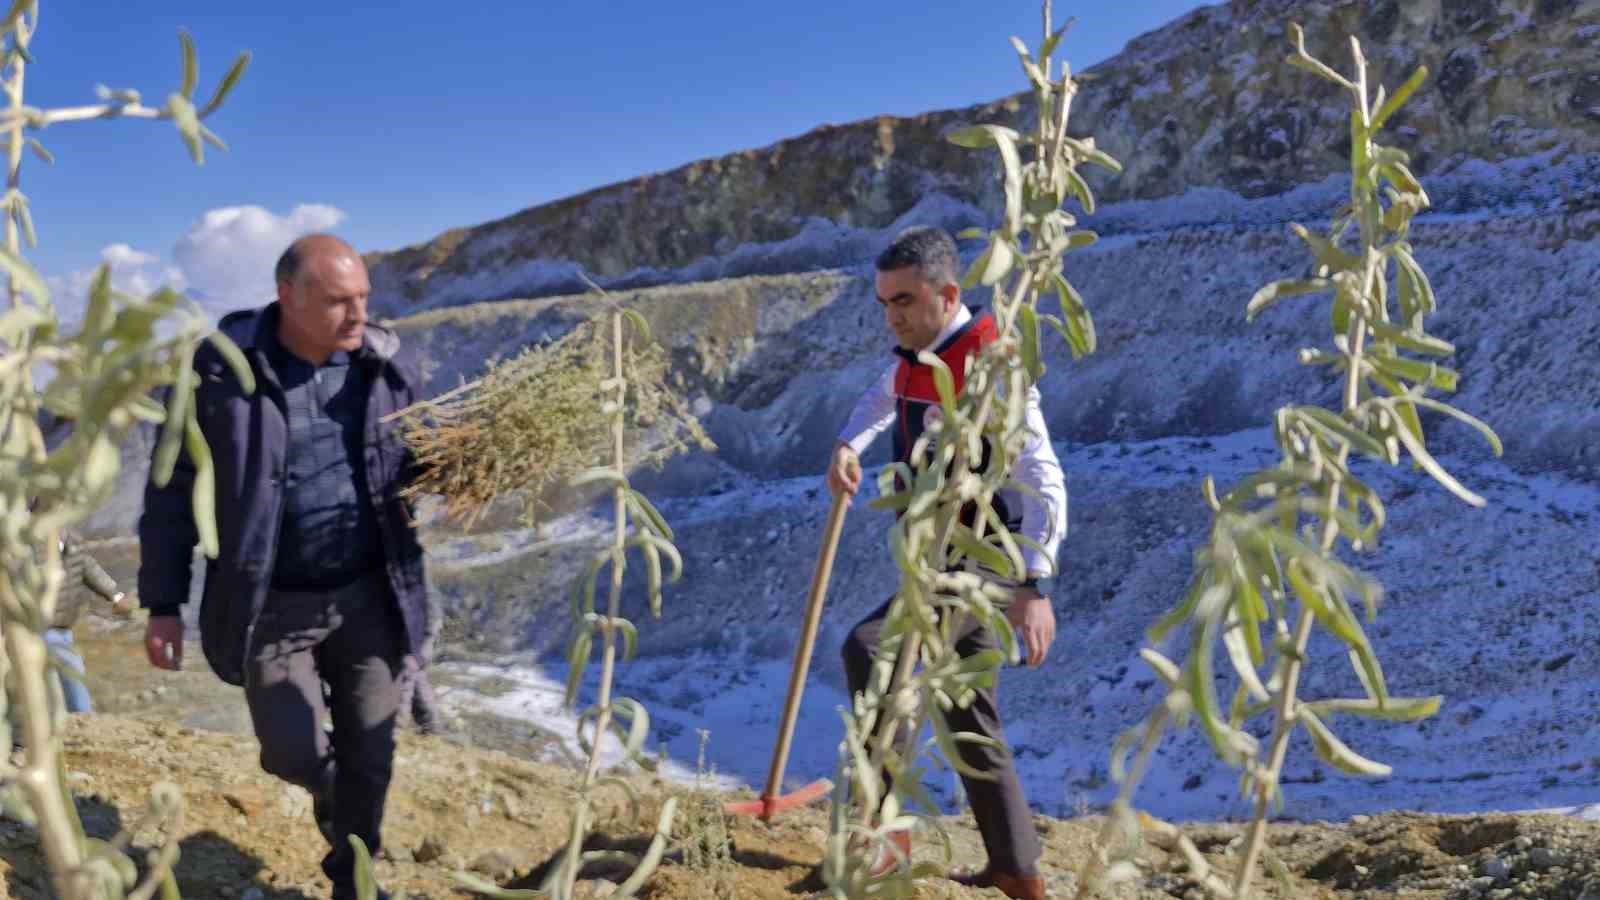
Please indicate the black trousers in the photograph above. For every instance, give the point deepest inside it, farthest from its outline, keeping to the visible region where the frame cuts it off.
(352, 641)
(999, 806)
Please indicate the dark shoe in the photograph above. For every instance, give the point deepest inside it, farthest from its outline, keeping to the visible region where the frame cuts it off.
(1017, 887)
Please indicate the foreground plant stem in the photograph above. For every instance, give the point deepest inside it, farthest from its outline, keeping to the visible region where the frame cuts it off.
(1284, 726)
(25, 648)
(608, 659)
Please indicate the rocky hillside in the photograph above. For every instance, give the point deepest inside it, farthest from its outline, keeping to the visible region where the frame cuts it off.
(1205, 102)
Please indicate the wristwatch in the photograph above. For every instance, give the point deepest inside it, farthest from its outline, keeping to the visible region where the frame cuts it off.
(1040, 583)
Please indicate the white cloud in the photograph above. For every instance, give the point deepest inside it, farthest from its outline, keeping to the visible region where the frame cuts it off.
(224, 260)
(132, 272)
(227, 256)
(124, 255)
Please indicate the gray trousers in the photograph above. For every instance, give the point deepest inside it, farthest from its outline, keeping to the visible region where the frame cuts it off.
(998, 805)
(352, 641)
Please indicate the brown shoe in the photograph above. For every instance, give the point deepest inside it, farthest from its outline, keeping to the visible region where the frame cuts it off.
(887, 860)
(1017, 887)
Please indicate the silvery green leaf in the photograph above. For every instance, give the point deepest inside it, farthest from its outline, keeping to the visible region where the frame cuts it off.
(607, 474)
(1393, 104)
(612, 857)
(366, 885)
(1397, 709)
(894, 502)
(1048, 48)
(205, 487)
(235, 359)
(1432, 467)
(1200, 682)
(1077, 240)
(1415, 341)
(627, 790)
(25, 279)
(1079, 188)
(1005, 139)
(19, 320)
(1400, 176)
(1163, 667)
(177, 422)
(652, 854)
(191, 65)
(981, 552)
(1277, 290)
(583, 586)
(1335, 425)
(1028, 320)
(980, 265)
(577, 659)
(943, 380)
(647, 511)
(1431, 374)
(652, 559)
(1180, 613)
(494, 891)
(1331, 257)
(640, 327)
(25, 221)
(1411, 275)
(211, 138)
(629, 638)
(638, 724)
(39, 151)
(18, 7)
(976, 137)
(666, 548)
(997, 262)
(949, 743)
(1086, 150)
(1233, 638)
(1335, 752)
(235, 72)
(1482, 426)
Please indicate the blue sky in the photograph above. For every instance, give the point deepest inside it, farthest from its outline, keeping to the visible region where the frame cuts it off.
(391, 123)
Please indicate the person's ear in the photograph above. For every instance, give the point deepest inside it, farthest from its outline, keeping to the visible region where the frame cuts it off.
(950, 295)
(285, 292)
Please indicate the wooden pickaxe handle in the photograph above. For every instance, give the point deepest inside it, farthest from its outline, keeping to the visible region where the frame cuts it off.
(808, 640)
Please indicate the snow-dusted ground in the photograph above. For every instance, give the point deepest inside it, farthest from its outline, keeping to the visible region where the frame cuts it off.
(1490, 608)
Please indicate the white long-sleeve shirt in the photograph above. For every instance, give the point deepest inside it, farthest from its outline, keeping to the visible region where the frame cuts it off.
(1044, 517)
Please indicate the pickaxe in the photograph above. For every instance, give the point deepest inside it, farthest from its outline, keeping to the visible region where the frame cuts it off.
(771, 801)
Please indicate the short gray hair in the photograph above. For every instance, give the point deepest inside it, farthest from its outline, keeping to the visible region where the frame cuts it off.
(931, 250)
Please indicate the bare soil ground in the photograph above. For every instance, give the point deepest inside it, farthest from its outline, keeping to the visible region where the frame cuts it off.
(473, 801)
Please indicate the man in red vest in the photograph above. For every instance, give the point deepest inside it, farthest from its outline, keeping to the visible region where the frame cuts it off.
(919, 289)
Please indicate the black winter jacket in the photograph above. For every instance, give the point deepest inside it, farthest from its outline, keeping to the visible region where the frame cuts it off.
(247, 435)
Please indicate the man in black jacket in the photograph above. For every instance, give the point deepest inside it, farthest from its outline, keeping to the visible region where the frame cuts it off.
(319, 575)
